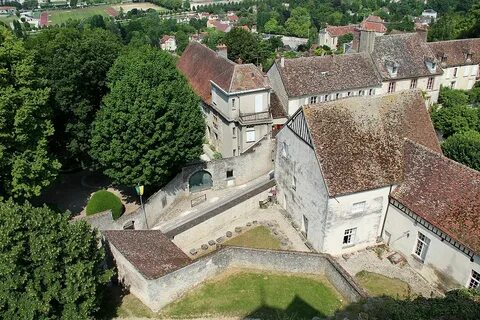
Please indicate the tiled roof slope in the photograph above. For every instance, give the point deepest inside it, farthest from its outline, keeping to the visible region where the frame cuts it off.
(276, 108)
(337, 31)
(443, 192)
(149, 251)
(326, 74)
(409, 51)
(200, 65)
(373, 23)
(359, 141)
(455, 51)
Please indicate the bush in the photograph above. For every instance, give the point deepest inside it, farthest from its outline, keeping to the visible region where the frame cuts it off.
(104, 200)
(464, 148)
(452, 97)
(456, 119)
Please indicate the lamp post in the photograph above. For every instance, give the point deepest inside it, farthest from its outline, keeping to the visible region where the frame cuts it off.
(139, 190)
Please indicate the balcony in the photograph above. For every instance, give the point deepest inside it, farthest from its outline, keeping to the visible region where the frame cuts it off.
(255, 117)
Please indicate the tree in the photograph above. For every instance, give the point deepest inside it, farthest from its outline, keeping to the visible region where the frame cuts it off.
(456, 119)
(26, 166)
(299, 22)
(75, 63)
(346, 38)
(464, 147)
(50, 268)
(247, 46)
(150, 124)
(272, 26)
(182, 41)
(452, 97)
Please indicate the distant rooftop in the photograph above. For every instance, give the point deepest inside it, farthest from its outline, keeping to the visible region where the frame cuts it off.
(454, 53)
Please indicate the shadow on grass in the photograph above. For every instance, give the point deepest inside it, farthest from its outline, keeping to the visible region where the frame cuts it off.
(112, 300)
(297, 309)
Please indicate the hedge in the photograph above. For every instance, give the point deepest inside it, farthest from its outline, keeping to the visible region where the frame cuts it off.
(105, 200)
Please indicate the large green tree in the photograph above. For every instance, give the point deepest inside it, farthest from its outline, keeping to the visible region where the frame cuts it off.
(75, 63)
(464, 147)
(150, 124)
(299, 22)
(26, 166)
(50, 268)
(456, 119)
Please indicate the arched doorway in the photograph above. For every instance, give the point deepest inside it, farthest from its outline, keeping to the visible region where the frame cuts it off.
(200, 180)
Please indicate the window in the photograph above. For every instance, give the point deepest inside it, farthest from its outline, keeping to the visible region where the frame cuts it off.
(413, 84)
(474, 70)
(466, 71)
(361, 92)
(284, 150)
(455, 71)
(421, 247)
(452, 84)
(430, 83)
(349, 236)
(233, 104)
(338, 96)
(229, 174)
(349, 94)
(250, 135)
(313, 100)
(234, 152)
(474, 282)
(468, 56)
(391, 87)
(371, 92)
(443, 59)
(234, 132)
(325, 97)
(358, 207)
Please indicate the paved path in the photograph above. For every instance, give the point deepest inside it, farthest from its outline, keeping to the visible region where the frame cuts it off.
(183, 223)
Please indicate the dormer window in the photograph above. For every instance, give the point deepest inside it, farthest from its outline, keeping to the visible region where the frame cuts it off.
(392, 68)
(431, 65)
(443, 59)
(468, 56)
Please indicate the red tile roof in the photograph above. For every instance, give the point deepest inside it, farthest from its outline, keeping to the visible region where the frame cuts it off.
(373, 23)
(337, 31)
(200, 65)
(149, 251)
(165, 38)
(359, 141)
(443, 192)
(455, 52)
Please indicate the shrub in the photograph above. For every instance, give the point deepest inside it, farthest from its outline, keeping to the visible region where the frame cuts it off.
(105, 200)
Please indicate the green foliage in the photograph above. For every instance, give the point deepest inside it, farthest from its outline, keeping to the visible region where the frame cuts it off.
(26, 167)
(75, 63)
(150, 124)
(104, 200)
(50, 268)
(456, 119)
(346, 38)
(299, 22)
(217, 155)
(182, 41)
(452, 97)
(450, 26)
(464, 147)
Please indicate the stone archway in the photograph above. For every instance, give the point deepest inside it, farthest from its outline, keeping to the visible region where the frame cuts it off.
(200, 180)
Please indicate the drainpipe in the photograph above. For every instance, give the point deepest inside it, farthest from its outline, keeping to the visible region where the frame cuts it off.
(386, 212)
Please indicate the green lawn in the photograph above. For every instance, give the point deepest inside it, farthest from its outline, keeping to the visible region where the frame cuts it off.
(379, 285)
(61, 16)
(261, 295)
(258, 237)
(8, 20)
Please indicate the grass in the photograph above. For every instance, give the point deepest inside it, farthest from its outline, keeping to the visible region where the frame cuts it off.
(259, 294)
(105, 200)
(380, 285)
(8, 19)
(258, 237)
(61, 16)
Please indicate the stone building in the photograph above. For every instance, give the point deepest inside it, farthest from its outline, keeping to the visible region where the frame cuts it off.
(405, 62)
(310, 80)
(459, 60)
(329, 35)
(168, 43)
(235, 98)
(338, 161)
(433, 218)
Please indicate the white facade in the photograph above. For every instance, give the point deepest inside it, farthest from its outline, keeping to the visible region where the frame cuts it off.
(461, 77)
(442, 262)
(430, 85)
(169, 44)
(325, 39)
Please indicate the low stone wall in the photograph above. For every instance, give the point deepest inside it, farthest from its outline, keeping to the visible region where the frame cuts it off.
(249, 166)
(162, 291)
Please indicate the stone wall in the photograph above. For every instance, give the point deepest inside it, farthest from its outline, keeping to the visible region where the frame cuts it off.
(249, 166)
(162, 291)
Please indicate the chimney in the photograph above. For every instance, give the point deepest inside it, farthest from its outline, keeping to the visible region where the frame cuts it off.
(222, 51)
(367, 41)
(282, 62)
(422, 34)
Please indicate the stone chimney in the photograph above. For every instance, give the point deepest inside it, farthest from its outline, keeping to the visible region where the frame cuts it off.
(367, 41)
(422, 33)
(222, 51)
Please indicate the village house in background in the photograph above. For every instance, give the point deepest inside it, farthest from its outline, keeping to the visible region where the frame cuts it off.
(337, 162)
(235, 98)
(459, 60)
(168, 43)
(433, 218)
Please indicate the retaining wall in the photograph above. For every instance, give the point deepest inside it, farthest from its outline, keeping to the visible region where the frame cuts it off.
(164, 290)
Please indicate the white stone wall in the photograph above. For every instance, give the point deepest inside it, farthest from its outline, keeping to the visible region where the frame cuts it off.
(368, 223)
(440, 257)
(277, 86)
(465, 77)
(301, 189)
(404, 84)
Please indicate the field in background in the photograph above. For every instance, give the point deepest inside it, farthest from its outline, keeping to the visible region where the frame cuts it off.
(61, 16)
(8, 20)
(140, 5)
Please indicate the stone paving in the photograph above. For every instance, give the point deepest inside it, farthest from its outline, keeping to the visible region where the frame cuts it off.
(369, 260)
(218, 227)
